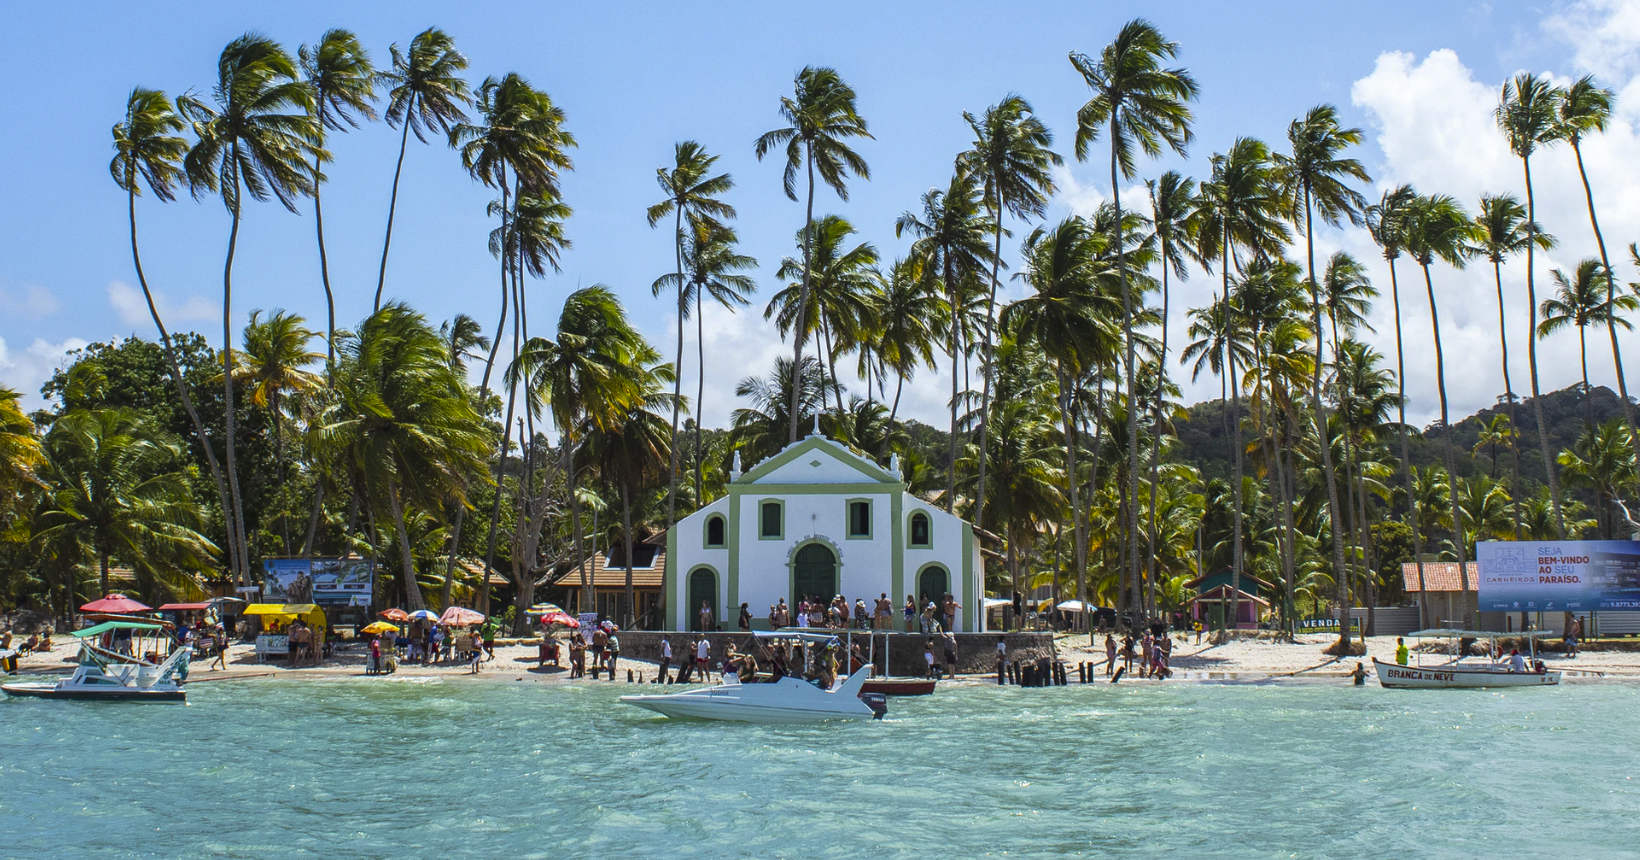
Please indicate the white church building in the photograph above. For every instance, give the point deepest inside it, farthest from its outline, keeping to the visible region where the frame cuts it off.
(818, 519)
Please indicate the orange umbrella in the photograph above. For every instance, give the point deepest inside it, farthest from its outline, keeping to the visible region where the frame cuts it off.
(396, 614)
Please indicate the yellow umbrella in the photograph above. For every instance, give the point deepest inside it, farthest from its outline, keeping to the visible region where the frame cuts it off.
(379, 628)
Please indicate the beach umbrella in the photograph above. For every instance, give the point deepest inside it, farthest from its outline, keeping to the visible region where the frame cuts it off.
(379, 628)
(422, 613)
(543, 609)
(461, 616)
(395, 614)
(1072, 606)
(117, 603)
(560, 617)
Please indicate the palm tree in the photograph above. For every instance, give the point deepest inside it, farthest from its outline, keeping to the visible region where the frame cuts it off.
(1145, 106)
(256, 138)
(760, 428)
(590, 374)
(840, 281)
(21, 457)
(691, 190)
(711, 266)
(1386, 221)
(1436, 226)
(1502, 232)
(950, 242)
(463, 339)
(148, 150)
(1239, 207)
(1498, 432)
(1603, 460)
(822, 116)
(909, 316)
(1171, 198)
(1586, 107)
(1581, 300)
(630, 454)
(1013, 157)
(272, 367)
(118, 488)
(405, 422)
(425, 92)
(1317, 178)
(343, 81)
(1527, 114)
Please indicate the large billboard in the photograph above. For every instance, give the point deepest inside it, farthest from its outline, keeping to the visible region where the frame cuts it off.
(1566, 575)
(317, 580)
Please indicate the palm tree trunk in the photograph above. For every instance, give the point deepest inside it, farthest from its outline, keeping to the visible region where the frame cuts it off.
(1069, 427)
(1406, 456)
(1451, 460)
(1531, 352)
(700, 413)
(1509, 400)
(1611, 294)
(989, 360)
(677, 377)
(831, 364)
(1156, 432)
(1082, 519)
(588, 596)
(392, 204)
(1130, 522)
(802, 304)
(236, 516)
(512, 388)
(407, 561)
(1583, 361)
(956, 316)
(895, 409)
(1235, 437)
(1323, 434)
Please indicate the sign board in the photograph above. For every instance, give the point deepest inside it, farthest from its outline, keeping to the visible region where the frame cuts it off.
(317, 580)
(1323, 625)
(1567, 575)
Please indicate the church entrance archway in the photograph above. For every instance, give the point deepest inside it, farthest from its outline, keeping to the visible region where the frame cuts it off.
(814, 573)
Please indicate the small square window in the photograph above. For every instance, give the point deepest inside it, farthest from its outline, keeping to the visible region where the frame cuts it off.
(859, 519)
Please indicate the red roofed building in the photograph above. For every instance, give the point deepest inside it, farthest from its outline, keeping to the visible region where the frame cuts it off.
(1442, 594)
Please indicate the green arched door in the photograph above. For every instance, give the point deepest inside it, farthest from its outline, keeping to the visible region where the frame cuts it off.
(932, 585)
(702, 589)
(814, 573)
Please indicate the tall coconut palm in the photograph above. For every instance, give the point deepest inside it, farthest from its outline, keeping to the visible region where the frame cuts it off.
(1171, 198)
(256, 138)
(822, 117)
(273, 368)
(1141, 105)
(1528, 115)
(909, 317)
(950, 241)
(1580, 300)
(1239, 208)
(339, 72)
(691, 190)
(1603, 460)
(1437, 227)
(712, 266)
(590, 374)
(425, 92)
(21, 457)
(1585, 108)
(1317, 177)
(630, 453)
(1501, 232)
(759, 428)
(841, 280)
(119, 489)
(463, 339)
(1013, 157)
(148, 150)
(406, 423)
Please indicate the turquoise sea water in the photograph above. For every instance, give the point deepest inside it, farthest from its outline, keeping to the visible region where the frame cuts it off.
(264, 768)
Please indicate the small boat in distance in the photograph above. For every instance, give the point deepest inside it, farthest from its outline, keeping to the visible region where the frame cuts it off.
(1455, 674)
(786, 699)
(97, 677)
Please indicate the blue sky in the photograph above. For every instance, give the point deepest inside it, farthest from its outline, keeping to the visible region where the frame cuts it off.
(635, 79)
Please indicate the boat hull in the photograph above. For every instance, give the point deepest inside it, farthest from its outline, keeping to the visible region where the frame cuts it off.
(684, 709)
(900, 686)
(1396, 676)
(787, 700)
(113, 694)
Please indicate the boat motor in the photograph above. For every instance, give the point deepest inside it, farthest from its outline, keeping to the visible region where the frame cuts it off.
(877, 702)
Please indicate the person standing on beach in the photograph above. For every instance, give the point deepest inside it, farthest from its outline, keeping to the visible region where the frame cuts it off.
(910, 612)
(745, 620)
(931, 670)
(703, 654)
(666, 659)
(705, 615)
(614, 650)
(577, 657)
(950, 642)
(883, 617)
(951, 607)
(375, 655)
(1110, 654)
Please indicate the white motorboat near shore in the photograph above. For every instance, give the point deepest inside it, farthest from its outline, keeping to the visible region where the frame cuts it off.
(100, 678)
(1455, 674)
(788, 700)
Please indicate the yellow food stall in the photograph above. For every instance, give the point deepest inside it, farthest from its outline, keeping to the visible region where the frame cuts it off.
(276, 619)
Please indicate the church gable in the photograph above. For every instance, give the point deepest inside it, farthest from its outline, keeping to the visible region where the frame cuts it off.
(816, 460)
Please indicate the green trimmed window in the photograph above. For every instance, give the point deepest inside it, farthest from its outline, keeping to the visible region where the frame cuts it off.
(771, 517)
(922, 530)
(859, 518)
(715, 530)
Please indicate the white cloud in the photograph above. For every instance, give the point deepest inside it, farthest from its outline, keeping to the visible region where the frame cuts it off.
(29, 302)
(1603, 35)
(28, 370)
(132, 309)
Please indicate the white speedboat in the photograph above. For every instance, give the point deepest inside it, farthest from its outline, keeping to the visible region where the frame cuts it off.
(788, 700)
(99, 678)
(1456, 674)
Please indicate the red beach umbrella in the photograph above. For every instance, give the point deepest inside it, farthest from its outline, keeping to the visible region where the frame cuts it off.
(396, 614)
(116, 603)
(559, 617)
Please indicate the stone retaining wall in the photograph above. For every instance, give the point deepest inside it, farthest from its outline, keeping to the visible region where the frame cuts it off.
(976, 652)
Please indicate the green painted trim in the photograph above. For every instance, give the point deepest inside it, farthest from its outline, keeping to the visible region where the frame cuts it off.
(821, 489)
(717, 586)
(760, 505)
(848, 518)
(896, 551)
(706, 542)
(791, 567)
(950, 587)
(669, 572)
(734, 543)
(840, 453)
(928, 544)
(970, 600)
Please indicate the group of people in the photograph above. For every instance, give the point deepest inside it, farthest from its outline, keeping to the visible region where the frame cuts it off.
(696, 660)
(429, 643)
(1153, 651)
(934, 618)
(605, 645)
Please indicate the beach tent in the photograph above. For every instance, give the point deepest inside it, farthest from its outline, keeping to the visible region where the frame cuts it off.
(285, 613)
(116, 603)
